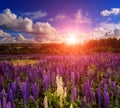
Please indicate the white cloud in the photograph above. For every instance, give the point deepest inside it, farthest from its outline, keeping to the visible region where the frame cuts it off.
(106, 29)
(80, 18)
(6, 17)
(35, 15)
(43, 31)
(113, 11)
(20, 38)
(4, 34)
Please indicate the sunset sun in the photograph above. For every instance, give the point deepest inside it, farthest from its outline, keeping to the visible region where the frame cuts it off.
(72, 39)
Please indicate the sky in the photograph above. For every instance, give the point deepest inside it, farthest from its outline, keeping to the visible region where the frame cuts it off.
(58, 20)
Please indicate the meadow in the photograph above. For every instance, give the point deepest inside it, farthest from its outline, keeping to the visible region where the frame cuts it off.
(56, 81)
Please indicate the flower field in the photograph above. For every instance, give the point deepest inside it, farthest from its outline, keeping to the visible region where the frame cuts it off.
(81, 81)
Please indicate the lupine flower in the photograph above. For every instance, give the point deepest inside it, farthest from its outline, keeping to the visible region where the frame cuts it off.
(106, 100)
(84, 102)
(91, 95)
(45, 82)
(60, 90)
(73, 78)
(24, 92)
(45, 102)
(114, 87)
(0, 83)
(99, 96)
(4, 102)
(13, 86)
(106, 87)
(0, 104)
(74, 94)
(9, 105)
(35, 90)
(10, 95)
(71, 106)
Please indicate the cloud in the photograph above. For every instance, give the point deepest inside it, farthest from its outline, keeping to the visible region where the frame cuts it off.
(21, 39)
(80, 18)
(4, 34)
(58, 17)
(7, 40)
(35, 15)
(18, 39)
(106, 29)
(43, 31)
(11, 21)
(6, 17)
(113, 11)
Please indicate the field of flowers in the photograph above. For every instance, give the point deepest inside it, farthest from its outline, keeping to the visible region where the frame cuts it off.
(81, 81)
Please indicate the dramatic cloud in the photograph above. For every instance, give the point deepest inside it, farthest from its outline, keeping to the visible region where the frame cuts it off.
(43, 31)
(113, 11)
(10, 21)
(107, 29)
(4, 34)
(7, 17)
(18, 39)
(80, 18)
(35, 15)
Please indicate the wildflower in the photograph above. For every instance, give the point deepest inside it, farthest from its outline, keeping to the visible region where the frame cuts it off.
(35, 90)
(74, 94)
(106, 100)
(98, 96)
(4, 102)
(24, 92)
(45, 102)
(10, 95)
(61, 92)
(71, 106)
(84, 102)
(114, 87)
(9, 105)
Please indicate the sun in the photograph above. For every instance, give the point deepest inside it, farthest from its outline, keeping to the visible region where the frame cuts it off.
(72, 39)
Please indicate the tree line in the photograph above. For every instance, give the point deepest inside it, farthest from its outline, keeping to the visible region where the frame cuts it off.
(92, 46)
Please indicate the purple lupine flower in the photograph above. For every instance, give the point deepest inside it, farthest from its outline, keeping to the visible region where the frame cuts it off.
(0, 104)
(83, 90)
(10, 95)
(106, 100)
(91, 95)
(24, 92)
(1, 83)
(115, 88)
(74, 94)
(45, 82)
(106, 87)
(3, 93)
(99, 96)
(13, 86)
(8, 87)
(84, 102)
(18, 87)
(4, 102)
(73, 78)
(35, 90)
(9, 105)
(109, 82)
